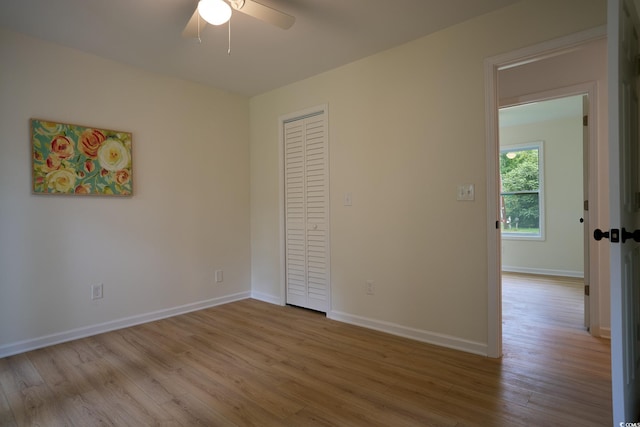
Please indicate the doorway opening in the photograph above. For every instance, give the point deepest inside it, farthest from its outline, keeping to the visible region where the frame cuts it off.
(566, 66)
(543, 165)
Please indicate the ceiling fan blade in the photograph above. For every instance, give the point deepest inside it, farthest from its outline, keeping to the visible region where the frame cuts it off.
(191, 29)
(265, 13)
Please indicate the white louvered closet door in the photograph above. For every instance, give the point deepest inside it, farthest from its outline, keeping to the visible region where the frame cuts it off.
(306, 212)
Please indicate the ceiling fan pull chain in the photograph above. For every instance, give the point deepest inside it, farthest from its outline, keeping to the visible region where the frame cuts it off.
(229, 50)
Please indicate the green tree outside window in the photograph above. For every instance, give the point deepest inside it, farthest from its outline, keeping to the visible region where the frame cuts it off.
(520, 180)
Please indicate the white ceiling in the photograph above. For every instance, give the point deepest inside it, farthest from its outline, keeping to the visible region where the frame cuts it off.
(326, 34)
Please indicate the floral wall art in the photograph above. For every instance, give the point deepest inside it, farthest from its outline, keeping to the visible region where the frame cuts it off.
(71, 159)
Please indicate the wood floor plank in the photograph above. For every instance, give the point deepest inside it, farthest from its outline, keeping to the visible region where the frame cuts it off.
(30, 399)
(154, 383)
(311, 417)
(243, 383)
(21, 372)
(193, 412)
(226, 403)
(363, 402)
(38, 405)
(58, 373)
(340, 405)
(252, 363)
(89, 409)
(123, 396)
(80, 351)
(7, 417)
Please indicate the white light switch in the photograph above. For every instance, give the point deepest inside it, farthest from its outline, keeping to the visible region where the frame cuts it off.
(348, 200)
(466, 192)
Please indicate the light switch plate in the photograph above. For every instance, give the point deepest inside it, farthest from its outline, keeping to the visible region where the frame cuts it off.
(96, 291)
(466, 192)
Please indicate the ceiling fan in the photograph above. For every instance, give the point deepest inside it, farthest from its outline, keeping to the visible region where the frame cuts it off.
(218, 12)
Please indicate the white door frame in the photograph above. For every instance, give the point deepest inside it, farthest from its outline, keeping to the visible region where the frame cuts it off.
(492, 66)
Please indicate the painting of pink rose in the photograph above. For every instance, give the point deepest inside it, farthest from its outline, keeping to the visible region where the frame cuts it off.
(65, 159)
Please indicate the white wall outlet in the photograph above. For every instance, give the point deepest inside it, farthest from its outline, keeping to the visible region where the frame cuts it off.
(219, 276)
(96, 291)
(369, 287)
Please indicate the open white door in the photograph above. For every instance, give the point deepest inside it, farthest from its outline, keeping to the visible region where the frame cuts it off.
(623, 32)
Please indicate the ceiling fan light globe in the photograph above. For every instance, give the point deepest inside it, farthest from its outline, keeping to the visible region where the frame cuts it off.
(215, 12)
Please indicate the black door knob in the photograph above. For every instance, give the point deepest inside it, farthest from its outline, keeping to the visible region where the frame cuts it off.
(613, 235)
(627, 235)
(581, 220)
(599, 234)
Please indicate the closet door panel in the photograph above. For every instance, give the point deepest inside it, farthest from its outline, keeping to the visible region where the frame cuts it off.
(306, 212)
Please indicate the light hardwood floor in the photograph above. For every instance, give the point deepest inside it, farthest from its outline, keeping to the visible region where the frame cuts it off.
(252, 363)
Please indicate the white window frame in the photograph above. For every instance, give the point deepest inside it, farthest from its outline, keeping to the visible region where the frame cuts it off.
(539, 145)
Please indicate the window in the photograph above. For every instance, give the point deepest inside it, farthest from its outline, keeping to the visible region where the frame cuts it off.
(521, 191)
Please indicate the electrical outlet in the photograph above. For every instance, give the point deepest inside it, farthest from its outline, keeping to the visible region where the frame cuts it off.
(96, 291)
(219, 276)
(369, 287)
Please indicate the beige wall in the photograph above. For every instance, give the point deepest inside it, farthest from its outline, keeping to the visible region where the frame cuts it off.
(156, 252)
(406, 128)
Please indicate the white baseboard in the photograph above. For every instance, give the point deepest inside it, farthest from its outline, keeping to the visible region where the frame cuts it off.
(605, 333)
(543, 271)
(271, 299)
(416, 334)
(57, 338)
